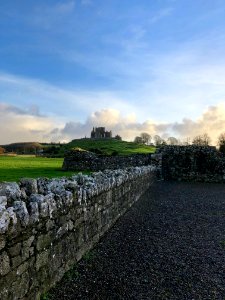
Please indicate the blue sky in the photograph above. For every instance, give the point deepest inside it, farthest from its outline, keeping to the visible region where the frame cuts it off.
(147, 65)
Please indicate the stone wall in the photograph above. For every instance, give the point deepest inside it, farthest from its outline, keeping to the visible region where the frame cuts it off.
(84, 160)
(47, 225)
(192, 163)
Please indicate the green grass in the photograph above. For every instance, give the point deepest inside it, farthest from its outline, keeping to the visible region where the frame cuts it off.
(222, 244)
(46, 296)
(72, 273)
(108, 146)
(89, 256)
(12, 168)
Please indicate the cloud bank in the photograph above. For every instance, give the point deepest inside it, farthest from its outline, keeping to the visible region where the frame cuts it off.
(18, 124)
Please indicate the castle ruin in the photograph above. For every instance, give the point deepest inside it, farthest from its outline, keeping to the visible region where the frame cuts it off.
(100, 133)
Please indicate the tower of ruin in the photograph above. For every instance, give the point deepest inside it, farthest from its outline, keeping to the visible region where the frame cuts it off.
(100, 133)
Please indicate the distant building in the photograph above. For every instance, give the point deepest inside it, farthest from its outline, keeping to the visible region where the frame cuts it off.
(100, 133)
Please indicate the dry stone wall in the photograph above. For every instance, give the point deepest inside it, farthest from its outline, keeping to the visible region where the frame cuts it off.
(192, 163)
(47, 225)
(85, 160)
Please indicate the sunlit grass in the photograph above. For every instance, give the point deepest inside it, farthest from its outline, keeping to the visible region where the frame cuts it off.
(108, 146)
(12, 168)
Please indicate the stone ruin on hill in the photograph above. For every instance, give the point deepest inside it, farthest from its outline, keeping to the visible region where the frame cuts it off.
(100, 133)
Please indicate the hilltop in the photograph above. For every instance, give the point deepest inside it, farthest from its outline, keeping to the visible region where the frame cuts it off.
(110, 146)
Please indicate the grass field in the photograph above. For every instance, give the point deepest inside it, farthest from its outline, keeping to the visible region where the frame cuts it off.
(12, 168)
(111, 145)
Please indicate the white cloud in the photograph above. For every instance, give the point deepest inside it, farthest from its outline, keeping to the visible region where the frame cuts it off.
(172, 89)
(178, 82)
(69, 103)
(212, 121)
(33, 110)
(22, 125)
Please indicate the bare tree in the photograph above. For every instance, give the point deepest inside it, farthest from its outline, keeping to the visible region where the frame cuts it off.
(172, 141)
(206, 139)
(146, 138)
(202, 140)
(187, 141)
(138, 140)
(159, 141)
(197, 140)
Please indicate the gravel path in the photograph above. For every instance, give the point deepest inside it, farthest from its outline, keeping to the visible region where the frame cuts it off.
(169, 245)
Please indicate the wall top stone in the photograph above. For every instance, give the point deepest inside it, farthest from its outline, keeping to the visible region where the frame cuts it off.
(29, 201)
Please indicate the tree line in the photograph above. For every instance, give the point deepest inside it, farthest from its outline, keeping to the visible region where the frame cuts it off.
(198, 140)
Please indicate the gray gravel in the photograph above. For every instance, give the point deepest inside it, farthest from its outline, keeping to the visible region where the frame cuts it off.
(169, 245)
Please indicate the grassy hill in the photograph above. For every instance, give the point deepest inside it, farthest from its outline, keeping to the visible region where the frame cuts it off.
(110, 146)
(99, 146)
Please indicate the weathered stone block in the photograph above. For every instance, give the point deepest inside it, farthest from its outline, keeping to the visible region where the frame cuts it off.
(3, 200)
(22, 268)
(42, 204)
(42, 259)
(27, 250)
(68, 226)
(33, 212)
(12, 216)
(29, 185)
(11, 190)
(50, 225)
(16, 261)
(2, 243)
(52, 207)
(44, 241)
(4, 219)
(21, 286)
(15, 250)
(4, 264)
(67, 198)
(21, 212)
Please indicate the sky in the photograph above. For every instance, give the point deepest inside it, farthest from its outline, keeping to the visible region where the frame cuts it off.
(133, 66)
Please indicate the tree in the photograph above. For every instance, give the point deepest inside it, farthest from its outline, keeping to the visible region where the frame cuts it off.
(118, 137)
(187, 141)
(2, 150)
(172, 141)
(146, 138)
(201, 140)
(138, 140)
(159, 141)
(221, 142)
